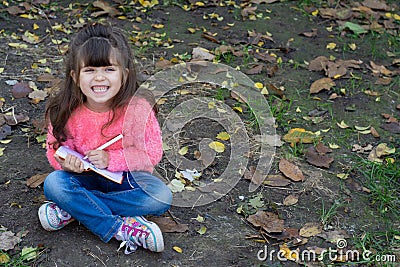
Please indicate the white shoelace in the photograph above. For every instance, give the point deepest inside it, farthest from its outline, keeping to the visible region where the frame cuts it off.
(62, 214)
(132, 245)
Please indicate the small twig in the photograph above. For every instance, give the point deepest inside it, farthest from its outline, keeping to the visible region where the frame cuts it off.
(173, 217)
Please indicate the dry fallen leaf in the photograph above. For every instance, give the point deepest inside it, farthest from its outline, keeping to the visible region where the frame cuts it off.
(276, 180)
(300, 135)
(321, 84)
(269, 221)
(290, 170)
(310, 229)
(36, 180)
(168, 225)
(317, 159)
(290, 200)
(106, 9)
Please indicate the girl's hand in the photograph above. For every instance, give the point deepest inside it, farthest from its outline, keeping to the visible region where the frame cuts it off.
(99, 158)
(70, 163)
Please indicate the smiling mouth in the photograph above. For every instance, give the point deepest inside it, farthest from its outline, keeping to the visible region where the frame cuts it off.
(100, 89)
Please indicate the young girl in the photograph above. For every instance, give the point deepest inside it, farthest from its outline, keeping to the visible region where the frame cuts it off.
(99, 101)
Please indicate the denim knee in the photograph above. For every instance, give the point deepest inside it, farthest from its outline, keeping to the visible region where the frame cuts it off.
(54, 185)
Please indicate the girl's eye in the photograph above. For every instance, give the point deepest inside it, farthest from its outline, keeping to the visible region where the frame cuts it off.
(110, 69)
(87, 70)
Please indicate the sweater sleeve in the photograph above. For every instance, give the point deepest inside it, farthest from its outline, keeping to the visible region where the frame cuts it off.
(142, 141)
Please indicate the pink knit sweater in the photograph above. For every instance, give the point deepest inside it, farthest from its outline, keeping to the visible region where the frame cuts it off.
(141, 145)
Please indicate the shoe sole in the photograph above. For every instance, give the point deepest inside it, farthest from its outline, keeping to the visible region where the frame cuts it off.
(44, 220)
(155, 232)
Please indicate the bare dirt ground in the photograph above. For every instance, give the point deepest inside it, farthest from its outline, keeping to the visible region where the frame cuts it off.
(274, 43)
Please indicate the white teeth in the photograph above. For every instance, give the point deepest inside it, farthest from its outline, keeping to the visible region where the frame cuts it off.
(99, 89)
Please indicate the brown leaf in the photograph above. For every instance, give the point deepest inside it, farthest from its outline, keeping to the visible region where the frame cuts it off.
(393, 127)
(310, 229)
(36, 180)
(290, 200)
(14, 119)
(210, 38)
(269, 221)
(37, 95)
(334, 236)
(290, 170)
(256, 69)
(318, 64)
(376, 4)
(276, 180)
(14, 10)
(21, 90)
(321, 84)
(317, 159)
(265, 57)
(168, 225)
(374, 132)
(263, 1)
(322, 149)
(313, 33)
(248, 11)
(107, 9)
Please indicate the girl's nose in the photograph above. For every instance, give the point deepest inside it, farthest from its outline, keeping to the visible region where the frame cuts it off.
(99, 77)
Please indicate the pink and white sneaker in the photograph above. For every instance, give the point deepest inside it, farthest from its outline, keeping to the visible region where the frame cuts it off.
(53, 217)
(137, 231)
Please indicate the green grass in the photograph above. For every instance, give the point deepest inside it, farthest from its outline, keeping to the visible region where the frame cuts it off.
(327, 214)
(383, 179)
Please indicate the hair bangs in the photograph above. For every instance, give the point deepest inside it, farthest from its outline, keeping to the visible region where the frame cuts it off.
(96, 52)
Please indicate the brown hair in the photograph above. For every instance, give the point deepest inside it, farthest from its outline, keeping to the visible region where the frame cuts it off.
(93, 46)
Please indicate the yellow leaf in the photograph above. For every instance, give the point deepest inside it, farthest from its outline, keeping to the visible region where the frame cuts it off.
(342, 125)
(4, 258)
(298, 110)
(191, 30)
(57, 42)
(264, 91)
(202, 230)
(362, 128)
(259, 85)
(285, 251)
(342, 176)
(1, 151)
(353, 46)
(333, 146)
(211, 105)
(183, 150)
(199, 4)
(331, 46)
(157, 26)
(18, 45)
(42, 61)
(223, 136)
(35, 26)
(177, 249)
(217, 146)
(1, 70)
(238, 109)
(200, 219)
(5, 141)
(300, 135)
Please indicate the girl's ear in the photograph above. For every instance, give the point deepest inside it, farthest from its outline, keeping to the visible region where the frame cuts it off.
(125, 76)
(72, 74)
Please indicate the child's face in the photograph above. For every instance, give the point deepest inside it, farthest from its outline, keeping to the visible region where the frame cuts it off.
(100, 85)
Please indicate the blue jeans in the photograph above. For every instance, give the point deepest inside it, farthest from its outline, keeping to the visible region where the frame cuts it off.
(99, 204)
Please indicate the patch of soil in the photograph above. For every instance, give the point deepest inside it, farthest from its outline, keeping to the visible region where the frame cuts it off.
(229, 239)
